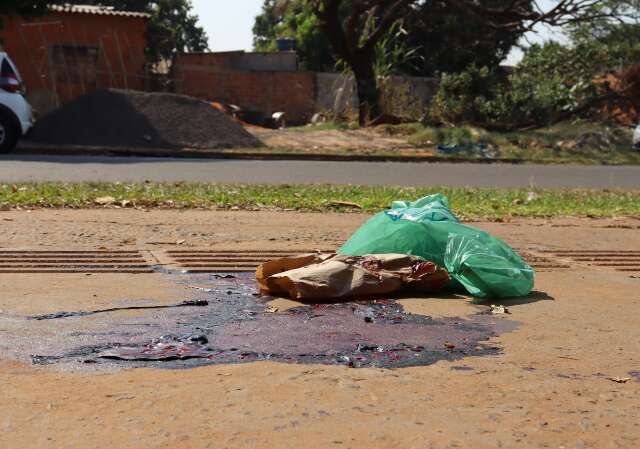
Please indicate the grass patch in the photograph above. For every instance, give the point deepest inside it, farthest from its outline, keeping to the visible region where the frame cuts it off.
(585, 143)
(403, 129)
(470, 203)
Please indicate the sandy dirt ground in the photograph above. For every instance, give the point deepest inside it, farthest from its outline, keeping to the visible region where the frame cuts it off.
(153, 229)
(567, 377)
(360, 140)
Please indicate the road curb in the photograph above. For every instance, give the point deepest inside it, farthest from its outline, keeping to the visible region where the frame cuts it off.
(246, 155)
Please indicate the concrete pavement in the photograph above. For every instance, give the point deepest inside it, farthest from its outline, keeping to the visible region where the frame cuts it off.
(16, 167)
(563, 371)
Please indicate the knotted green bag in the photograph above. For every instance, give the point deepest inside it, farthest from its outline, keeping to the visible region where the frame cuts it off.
(486, 266)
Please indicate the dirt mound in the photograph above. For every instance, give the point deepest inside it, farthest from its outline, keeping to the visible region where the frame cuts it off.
(117, 118)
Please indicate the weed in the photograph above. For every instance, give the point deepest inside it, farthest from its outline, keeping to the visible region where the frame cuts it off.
(473, 203)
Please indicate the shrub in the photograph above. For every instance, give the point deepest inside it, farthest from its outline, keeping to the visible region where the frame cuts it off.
(551, 83)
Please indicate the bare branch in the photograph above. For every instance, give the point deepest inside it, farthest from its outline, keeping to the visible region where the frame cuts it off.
(393, 13)
(524, 15)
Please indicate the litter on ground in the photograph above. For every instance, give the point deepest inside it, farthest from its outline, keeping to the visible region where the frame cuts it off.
(420, 246)
(319, 276)
(484, 265)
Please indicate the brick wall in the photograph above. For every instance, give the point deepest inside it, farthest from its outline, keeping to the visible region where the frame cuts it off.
(278, 61)
(63, 54)
(265, 91)
(213, 77)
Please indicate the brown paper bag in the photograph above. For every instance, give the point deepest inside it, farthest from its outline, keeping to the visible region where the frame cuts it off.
(321, 276)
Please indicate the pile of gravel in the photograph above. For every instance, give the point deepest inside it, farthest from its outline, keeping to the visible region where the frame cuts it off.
(131, 119)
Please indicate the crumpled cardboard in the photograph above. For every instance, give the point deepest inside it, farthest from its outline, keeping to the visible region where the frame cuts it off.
(329, 276)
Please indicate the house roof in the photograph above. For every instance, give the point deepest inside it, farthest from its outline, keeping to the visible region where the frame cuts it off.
(99, 10)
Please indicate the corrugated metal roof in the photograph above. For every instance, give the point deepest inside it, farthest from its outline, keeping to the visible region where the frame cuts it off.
(99, 10)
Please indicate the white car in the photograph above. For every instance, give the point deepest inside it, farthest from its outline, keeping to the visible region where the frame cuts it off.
(16, 115)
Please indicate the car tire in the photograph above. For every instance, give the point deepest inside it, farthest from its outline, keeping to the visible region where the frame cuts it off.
(8, 134)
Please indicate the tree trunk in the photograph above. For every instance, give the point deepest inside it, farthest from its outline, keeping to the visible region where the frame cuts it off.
(368, 92)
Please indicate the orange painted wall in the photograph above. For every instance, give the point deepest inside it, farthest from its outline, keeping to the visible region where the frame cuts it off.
(207, 76)
(120, 59)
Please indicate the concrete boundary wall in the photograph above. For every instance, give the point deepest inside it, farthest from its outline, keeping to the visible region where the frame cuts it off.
(406, 97)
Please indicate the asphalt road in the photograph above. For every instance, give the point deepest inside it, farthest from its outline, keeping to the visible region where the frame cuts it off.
(15, 168)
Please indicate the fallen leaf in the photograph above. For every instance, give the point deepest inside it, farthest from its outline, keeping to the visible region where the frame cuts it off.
(449, 346)
(345, 204)
(104, 200)
(271, 309)
(620, 380)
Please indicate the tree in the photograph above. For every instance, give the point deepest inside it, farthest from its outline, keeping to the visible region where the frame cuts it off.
(173, 29)
(353, 36)
(433, 39)
(597, 68)
(293, 19)
(354, 41)
(449, 38)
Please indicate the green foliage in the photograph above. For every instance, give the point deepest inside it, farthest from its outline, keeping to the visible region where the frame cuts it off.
(394, 51)
(458, 95)
(294, 20)
(173, 27)
(552, 82)
(433, 38)
(458, 136)
(577, 142)
(449, 38)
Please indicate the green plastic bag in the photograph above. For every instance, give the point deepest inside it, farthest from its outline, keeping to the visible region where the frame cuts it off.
(486, 266)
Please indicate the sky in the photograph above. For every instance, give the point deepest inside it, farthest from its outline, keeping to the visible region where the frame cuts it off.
(228, 24)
